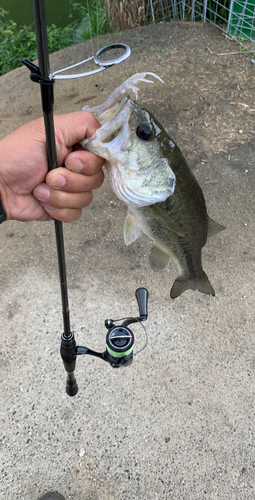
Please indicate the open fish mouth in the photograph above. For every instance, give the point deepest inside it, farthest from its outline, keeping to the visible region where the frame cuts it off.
(117, 116)
(129, 141)
(112, 121)
(111, 113)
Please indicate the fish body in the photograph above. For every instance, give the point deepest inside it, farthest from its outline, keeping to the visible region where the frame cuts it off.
(149, 173)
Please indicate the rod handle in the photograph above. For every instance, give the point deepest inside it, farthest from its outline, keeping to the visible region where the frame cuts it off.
(68, 355)
(71, 385)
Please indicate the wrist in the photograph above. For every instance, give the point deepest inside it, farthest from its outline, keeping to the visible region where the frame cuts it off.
(2, 213)
(4, 208)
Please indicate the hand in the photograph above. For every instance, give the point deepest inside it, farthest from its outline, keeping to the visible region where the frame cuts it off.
(28, 191)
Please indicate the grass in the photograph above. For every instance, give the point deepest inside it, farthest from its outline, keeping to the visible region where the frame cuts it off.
(126, 14)
(138, 38)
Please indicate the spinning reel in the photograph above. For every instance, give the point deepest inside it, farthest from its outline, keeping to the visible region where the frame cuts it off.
(119, 344)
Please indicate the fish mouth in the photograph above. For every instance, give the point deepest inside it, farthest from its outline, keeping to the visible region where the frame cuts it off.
(116, 117)
(112, 112)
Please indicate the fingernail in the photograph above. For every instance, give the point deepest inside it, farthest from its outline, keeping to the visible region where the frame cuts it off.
(42, 193)
(75, 164)
(48, 207)
(58, 181)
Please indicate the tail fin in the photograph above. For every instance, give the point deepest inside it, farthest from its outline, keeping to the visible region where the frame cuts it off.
(182, 284)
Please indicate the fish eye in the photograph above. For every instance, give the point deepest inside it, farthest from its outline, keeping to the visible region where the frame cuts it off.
(144, 131)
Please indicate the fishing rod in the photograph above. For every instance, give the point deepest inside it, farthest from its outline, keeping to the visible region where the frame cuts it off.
(119, 339)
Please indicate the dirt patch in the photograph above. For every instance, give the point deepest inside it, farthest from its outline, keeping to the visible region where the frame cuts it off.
(210, 96)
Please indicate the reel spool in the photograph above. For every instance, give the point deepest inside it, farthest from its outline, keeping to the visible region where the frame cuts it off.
(119, 346)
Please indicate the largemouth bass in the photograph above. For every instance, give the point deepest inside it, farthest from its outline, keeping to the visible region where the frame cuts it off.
(149, 173)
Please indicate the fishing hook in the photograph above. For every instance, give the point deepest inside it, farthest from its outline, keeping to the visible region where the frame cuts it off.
(101, 90)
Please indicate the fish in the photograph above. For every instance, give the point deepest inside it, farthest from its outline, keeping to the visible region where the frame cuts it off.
(149, 173)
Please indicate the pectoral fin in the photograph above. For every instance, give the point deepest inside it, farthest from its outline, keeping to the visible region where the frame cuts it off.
(163, 218)
(214, 227)
(158, 259)
(131, 229)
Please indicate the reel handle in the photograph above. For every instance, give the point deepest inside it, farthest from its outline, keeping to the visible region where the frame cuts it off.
(142, 296)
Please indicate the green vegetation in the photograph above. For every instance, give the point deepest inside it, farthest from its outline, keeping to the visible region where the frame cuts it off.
(138, 38)
(17, 43)
(99, 17)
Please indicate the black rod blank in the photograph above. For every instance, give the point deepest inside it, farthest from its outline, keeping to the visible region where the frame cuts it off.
(47, 96)
(47, 104)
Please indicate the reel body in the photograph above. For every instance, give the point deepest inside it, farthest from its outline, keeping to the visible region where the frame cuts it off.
(119, 343)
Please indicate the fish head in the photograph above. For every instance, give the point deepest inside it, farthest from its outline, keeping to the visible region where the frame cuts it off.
(130, 140)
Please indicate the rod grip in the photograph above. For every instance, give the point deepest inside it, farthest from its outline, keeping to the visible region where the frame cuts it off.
(68, 355)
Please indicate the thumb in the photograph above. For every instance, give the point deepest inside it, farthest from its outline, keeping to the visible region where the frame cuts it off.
(72, 128)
